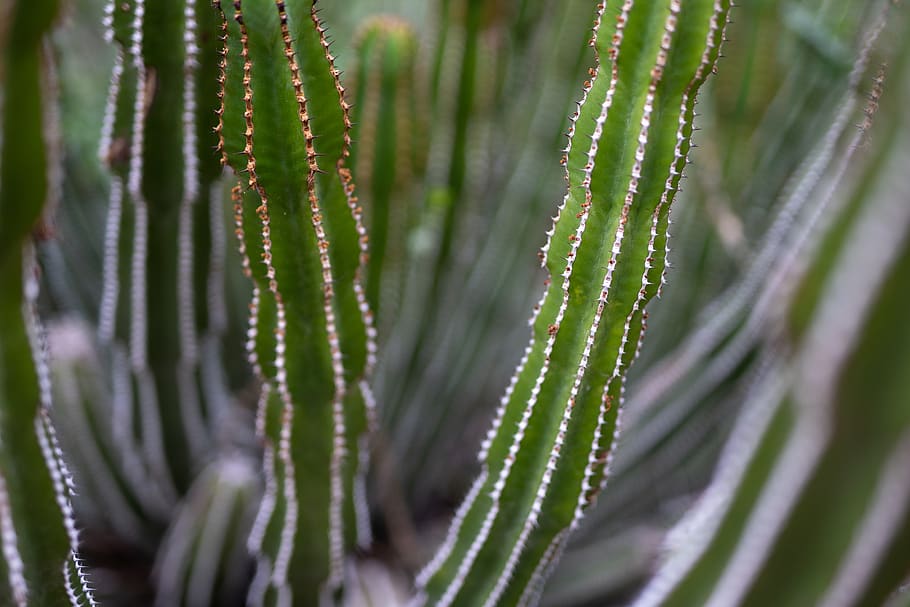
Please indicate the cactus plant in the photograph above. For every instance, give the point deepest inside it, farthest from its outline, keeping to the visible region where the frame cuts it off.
(221, 402)
(40, 564)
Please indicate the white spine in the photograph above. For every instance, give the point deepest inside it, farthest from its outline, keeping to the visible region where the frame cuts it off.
(110, 107)
(15, 567)
(679, 159)
(291, 507)
(107, 21)
(264, 569)
(71, 593)
(110, 290)
(64, 489)
(454, 531)
(503, 404)
(188, 389)
(270, 494)
(551, 556)
(189, 347)
(692, 535)
(61, 479)
(573, 119)
(510, 389)
(138, 328)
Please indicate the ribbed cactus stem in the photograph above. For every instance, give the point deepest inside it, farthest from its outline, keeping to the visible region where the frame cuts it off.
(206, 539)
(81, 411)
(38, 536)
(282, 559)
(602, 248)
(284, 126)
(188, 335)
(388, 159)
(737, 321)
(161, 315)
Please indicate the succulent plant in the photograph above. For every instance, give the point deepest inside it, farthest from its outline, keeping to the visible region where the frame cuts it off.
(290, 416)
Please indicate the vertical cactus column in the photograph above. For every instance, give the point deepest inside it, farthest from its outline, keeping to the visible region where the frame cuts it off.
(38, 562)
(461, 76)
(389, 157)
(285, 131)
(162, 311)
(547, 454)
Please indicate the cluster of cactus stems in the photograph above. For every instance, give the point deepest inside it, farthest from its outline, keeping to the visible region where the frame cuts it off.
(146, 413)
(796, 437)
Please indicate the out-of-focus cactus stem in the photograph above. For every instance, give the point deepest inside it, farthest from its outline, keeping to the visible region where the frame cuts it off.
(39, 564)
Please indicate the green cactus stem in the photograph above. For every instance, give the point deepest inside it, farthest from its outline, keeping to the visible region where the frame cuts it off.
(389, 158)
(547, 454)
(285, 128)
(162, 312)
(38, 564)
(204, 558)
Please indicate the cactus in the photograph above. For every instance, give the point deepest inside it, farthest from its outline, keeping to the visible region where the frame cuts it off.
(731, 331)
(747, 330)
(498, 548)
(389, 158)
(160, 316)
(206, 471)
(39, 561)
(798, 433)
(311, 336)
(214, 521)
